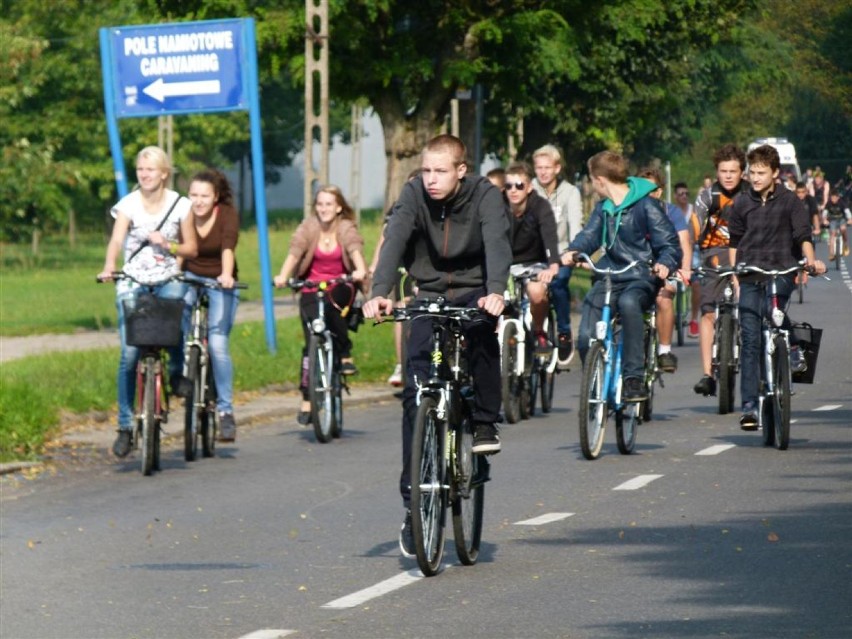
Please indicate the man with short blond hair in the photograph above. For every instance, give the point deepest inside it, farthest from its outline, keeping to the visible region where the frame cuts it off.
(567, 205)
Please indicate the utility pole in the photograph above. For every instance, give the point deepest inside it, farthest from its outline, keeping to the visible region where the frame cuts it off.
(357, 131)
(316, 95)
(166, 141)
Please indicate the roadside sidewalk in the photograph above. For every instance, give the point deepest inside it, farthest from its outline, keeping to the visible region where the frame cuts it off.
(251, 410)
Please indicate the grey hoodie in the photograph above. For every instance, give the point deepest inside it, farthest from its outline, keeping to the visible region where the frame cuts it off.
(450, 247)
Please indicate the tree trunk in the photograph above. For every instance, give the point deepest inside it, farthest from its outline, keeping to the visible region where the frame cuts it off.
(36, 241)
(72, 228)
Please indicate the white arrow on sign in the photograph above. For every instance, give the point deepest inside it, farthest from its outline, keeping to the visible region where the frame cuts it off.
(159, 90)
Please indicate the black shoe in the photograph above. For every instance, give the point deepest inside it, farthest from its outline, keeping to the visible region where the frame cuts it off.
(180, 385)
(565, 350)
(304, 418)
(634, 390)
(227, 427)
(667, 362)
(123, 443)
(748, 421)
(406, 537)
(798, 364)
(485, 440)
(348, 368)
(706, 386)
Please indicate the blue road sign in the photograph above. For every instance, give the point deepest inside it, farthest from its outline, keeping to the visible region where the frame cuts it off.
(186, 67)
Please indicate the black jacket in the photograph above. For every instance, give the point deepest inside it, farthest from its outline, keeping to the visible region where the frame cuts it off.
(450, 247)
(534, 233)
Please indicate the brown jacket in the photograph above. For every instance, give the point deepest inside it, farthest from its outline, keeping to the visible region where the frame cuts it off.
(304, 242)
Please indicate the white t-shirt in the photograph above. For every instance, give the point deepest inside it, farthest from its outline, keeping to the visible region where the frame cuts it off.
(152, 263)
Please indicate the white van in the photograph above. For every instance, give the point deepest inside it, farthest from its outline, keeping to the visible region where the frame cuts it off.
(789, 163)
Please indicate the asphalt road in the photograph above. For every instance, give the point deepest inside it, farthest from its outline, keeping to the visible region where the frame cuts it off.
(703, 532)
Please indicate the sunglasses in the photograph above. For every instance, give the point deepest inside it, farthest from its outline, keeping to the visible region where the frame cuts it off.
(679, 193)
(519, 186)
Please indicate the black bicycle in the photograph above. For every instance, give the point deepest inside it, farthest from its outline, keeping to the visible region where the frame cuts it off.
(325, 381)
(725, 353)
(201, 420)
(444, 470)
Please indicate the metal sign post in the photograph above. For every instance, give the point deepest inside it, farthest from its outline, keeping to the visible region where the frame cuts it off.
(188, 67)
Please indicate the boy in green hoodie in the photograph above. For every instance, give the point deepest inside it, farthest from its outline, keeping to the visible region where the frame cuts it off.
(627, 224)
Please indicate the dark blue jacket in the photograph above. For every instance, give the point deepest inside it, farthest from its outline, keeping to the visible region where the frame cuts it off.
(637, 229)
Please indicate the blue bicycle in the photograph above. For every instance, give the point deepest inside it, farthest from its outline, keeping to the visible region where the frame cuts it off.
(600, 389)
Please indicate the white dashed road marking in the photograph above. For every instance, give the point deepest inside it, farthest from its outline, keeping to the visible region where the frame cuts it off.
(549, 518)
(382, 588)
(828, 407)
(715, 450)
(268, 633)
(637, 482)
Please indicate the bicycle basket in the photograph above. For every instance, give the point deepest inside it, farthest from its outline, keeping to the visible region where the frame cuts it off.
(153, 321)
(808, 339)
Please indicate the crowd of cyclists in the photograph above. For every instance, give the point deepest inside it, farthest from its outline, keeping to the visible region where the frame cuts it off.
(456, 235)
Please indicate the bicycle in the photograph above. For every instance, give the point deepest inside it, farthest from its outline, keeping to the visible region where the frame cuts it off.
(776, 373)
(201, 419)
(725, 352)
(444, 469)
(681, 306)
(600, 388)
(325, 381)
(521, 380)
(836, 246)
(152, 324)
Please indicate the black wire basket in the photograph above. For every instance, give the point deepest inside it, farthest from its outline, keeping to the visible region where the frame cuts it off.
(808, 339)
(152, 321)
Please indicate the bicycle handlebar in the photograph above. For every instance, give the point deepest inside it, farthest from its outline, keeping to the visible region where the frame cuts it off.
(748, 268)
(297, 284)
(121, 275)
(583, 257)
(436, 308)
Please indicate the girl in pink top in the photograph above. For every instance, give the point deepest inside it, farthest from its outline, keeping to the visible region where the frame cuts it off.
(323, 247)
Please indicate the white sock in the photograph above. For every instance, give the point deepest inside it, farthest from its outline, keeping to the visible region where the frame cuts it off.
(664, 349)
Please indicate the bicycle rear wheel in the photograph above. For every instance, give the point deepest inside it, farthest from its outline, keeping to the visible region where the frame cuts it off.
(593, 405)
(320, 389)
(725, 353)
(209, 417)
(781, 396)
(194, 405)
(149, 415)
(626, 424)
(547, 374)
(651, 343)
(468, 495)
(428, 481)
(533, 381)
(510, 382)
(337, 404)
(838, 250)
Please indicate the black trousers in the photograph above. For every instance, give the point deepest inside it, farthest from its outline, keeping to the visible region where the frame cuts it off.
(483, 353)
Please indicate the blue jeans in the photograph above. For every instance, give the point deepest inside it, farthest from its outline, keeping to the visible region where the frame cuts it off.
(631, 300)
(221, 315)
(754, 305)
(561, 297)
(130, 354)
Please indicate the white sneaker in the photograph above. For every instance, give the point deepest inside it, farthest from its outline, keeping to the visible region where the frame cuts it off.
(396, 377)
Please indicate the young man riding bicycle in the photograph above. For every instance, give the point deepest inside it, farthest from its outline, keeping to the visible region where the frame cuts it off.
(769, 228)
(451, 231)
(628, 224)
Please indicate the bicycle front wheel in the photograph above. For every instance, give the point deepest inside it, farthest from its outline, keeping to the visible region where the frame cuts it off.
(149, 414)
(651, 346)
(320, 388)
(468, 496)
(593, 405)
(194, 405)
(510, 382)
(781, 396)
(680, 311)
(428, 481)
(725, 354)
